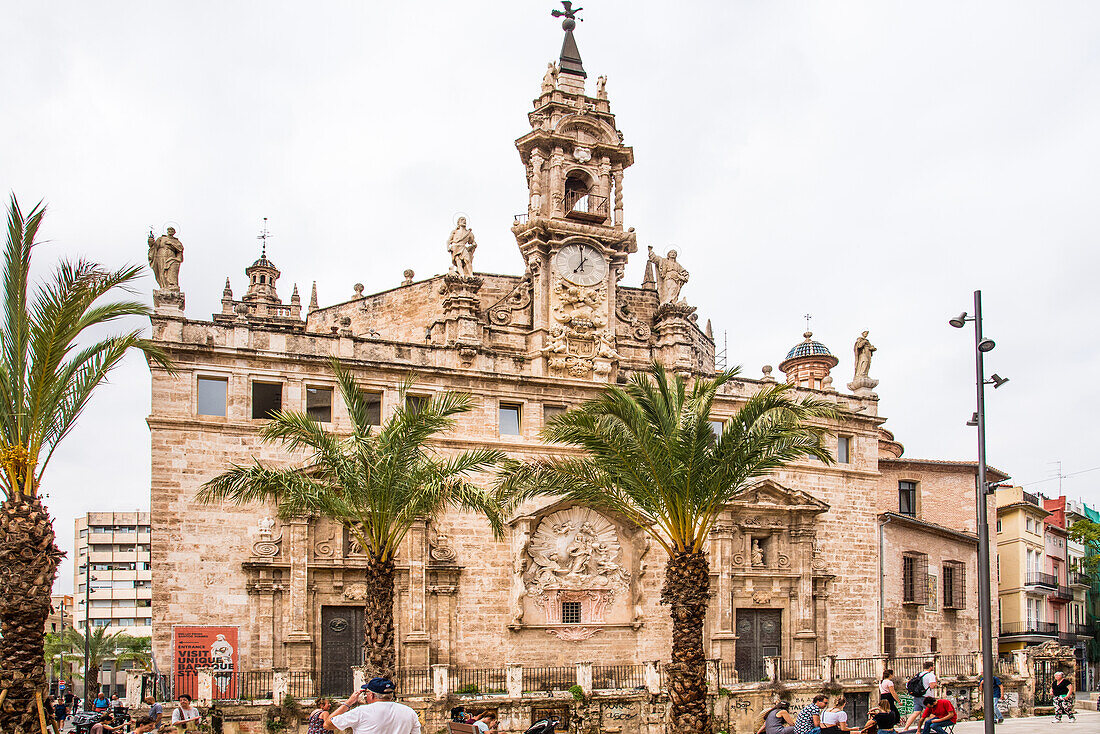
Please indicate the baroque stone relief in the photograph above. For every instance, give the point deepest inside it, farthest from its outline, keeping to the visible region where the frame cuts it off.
(576, 549)
(582, 344)
(268, 545)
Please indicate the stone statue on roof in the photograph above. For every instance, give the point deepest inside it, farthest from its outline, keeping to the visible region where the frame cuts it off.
(461, 245)
(165, 256)
(863, 350)
(670, 276)
(550, 78)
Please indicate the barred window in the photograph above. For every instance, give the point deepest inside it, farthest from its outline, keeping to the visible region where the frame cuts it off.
(571, 612)
(889, 641)
(954, 585)
(914, 578)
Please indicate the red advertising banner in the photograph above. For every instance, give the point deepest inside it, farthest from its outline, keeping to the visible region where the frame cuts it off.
(205, 647)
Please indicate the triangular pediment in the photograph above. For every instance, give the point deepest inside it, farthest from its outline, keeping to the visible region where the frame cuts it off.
(768, 494)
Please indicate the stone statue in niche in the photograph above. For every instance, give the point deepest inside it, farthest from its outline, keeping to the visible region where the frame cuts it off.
(165, 256)
(863, 350)
(670, 276)
(461, 245)
(601, 87)
(576, 549)
(757, 553)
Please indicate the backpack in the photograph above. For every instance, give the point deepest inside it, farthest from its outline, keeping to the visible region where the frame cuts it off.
(915, 685)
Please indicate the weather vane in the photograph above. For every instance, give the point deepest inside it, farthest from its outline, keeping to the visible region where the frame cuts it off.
(570, 15)
(263, 235)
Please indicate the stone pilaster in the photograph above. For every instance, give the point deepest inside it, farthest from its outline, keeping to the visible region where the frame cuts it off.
(299, 610)
(416, 640)
(674, 329)
(460, 314)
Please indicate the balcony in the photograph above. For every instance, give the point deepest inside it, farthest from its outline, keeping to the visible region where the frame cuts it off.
(1068, 639)
(1029, 629)
(1045, 580)
(585, 206)
(1084, 630)
(1076, 578)
(1062, 594)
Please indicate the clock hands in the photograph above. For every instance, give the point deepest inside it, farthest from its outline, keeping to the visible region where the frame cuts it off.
(580, 267)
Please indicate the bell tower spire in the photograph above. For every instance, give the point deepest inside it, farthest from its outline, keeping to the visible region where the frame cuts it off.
(572, 235)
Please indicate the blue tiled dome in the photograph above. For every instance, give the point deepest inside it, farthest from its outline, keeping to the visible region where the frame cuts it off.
(809, 348)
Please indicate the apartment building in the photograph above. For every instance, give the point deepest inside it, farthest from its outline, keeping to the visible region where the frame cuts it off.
(61, 614)
(1071, 599)
(114, 547)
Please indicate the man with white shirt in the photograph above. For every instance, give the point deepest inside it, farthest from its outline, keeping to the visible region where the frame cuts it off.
(380, 715)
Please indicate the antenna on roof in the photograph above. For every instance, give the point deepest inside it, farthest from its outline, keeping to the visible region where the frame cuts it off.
(263, 235)
(720, 361)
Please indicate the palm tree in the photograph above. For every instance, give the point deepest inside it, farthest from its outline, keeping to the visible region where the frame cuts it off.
(51, 361)
(102, 645)
(651, 455)
(376, 482)
(60, 654)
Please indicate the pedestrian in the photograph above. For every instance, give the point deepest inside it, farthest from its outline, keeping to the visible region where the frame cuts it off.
(61, 713)
(937, 715)
(145, 725)
(1063, 692)
(185, 714)
(995, 691)
(315, 724)
(886, 685)
(883, 719)
(835, 720)
(156, 711)
(458, 715)
(100, 703)
(919, 687)
(481, 723)
(808, 720)
(381, 715)
(104, 725)
(778, 720)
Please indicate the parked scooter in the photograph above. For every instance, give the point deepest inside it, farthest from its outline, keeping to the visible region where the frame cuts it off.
(83, 721)
(544, 726)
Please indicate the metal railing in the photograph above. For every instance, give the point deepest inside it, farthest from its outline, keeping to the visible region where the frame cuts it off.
(856, 668)
(800, 669)
(1047, 629)
(956, 665)
(584, 205)
(255, 685)
(1076, 578)
(1084, 630)
(1005, 666)
(482, 681)
(728, 676)
(906, 666)
(1038, 578)
(549, 679)
(301, 684)
(522, 218)
(1030, 498)
(1062, 593)
(618, 677)
(414, 681)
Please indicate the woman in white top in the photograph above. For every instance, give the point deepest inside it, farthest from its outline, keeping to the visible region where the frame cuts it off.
(886, 685)
(834, 720)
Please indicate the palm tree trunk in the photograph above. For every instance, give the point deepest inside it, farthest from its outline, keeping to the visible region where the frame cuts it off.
(91, 685)
(686, 590)
(28, 566)
(378, 635)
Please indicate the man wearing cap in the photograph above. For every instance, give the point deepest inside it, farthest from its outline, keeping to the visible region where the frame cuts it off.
(381, 715)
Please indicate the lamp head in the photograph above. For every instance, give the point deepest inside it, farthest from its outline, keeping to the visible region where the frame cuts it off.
(973, 420)
(997, 380)
(959, 321)
(986, 345)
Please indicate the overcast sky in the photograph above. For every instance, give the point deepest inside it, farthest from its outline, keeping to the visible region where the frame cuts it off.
(870, 163)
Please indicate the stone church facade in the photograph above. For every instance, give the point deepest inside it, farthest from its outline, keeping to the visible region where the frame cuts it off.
(809, 562)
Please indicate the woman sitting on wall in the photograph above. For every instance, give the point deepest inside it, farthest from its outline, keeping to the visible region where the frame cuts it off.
(883, 719)
(835, 720)
(778, 720)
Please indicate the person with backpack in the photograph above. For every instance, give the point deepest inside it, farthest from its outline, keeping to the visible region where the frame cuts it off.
(920, 687)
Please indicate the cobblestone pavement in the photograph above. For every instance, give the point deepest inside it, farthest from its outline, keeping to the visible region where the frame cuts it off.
(1087, 721)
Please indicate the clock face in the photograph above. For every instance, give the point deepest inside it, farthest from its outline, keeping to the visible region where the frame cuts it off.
(581, 264)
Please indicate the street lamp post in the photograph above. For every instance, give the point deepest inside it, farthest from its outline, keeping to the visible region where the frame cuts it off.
(87, 628)
(985, 606)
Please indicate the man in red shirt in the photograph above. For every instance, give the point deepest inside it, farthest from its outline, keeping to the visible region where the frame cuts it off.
(938, 714)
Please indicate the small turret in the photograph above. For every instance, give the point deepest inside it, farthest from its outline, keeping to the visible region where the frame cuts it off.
(808, 364)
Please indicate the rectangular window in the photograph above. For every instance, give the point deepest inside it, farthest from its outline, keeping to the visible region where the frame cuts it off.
(933, 645)
(907, 498)
(571, 612)
(716, 427)
(416, 403)
(843, 449)
(319, 403)
(551, 411)
(374, 407)
(954, 584)
(267, 399)
(1028, 524)
(914, 578)
(509, 419)
(889, 641)
(998, 524)
(212, 395)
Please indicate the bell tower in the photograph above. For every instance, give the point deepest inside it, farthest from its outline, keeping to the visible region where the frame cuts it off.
(572, 235)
